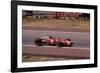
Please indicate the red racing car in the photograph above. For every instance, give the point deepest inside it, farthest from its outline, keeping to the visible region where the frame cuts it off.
(49, 40)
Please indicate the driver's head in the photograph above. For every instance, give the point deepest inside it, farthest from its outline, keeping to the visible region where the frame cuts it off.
(50, 37)
(68, 39)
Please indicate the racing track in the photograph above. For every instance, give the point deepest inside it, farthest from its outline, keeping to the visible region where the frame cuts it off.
(81, 42)
(79, 39)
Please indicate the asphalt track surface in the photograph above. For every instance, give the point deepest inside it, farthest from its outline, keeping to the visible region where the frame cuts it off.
(80, 49)
(80, 39)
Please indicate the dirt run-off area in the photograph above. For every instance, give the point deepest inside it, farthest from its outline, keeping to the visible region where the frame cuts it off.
(68, 25)
(38, 58)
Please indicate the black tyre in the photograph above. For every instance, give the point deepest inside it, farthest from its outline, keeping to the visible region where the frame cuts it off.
(38, 42)
(60, 44)
(71, 45)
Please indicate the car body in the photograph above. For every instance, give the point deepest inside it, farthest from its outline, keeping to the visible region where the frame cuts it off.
(52, 41)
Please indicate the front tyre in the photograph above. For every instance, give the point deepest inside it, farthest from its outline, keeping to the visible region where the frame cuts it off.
(71, 45)
(59, 44)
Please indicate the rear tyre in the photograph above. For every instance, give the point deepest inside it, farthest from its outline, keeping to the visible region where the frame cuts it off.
(38, 42)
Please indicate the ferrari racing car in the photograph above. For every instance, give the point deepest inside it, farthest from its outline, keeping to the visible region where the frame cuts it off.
(52, 41)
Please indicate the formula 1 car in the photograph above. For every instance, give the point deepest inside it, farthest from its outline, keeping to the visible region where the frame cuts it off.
(51, 41)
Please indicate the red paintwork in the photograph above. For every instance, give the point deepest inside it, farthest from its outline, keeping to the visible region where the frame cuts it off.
(58, 40)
